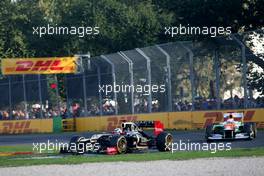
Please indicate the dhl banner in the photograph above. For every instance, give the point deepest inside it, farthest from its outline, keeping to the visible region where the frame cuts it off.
(109, 123)
(54, 65)
(171, 120)
(180, 120)
(26, 126)
(200, 119)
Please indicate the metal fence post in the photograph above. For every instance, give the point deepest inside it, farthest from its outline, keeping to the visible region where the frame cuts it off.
(168, 57)
(68, 104)
(190, 54)
(100, 93)
(25, 95)
(82, 56)
(57, 94)
(10, 95)
(149, 77)
(131, 72)
(244, 69)
(114, 80)
(217, 77)
(40, 96)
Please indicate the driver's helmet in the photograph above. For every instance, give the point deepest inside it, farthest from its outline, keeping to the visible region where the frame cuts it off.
(117, 130)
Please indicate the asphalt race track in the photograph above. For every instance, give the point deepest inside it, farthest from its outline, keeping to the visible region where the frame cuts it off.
(203, 166)
(183, 136)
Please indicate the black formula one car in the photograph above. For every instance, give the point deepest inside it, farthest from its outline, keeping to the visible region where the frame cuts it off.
(128, 138)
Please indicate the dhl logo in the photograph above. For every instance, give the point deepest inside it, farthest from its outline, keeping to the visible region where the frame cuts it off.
(216, 117)
(39, 66)
(115, 122)
(17, 127)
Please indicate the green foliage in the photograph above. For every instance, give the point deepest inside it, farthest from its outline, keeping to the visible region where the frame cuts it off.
(12, 40)
(124, 24)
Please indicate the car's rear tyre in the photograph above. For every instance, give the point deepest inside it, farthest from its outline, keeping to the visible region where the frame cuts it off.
(120, 143)
(164, 141)
(250, 129)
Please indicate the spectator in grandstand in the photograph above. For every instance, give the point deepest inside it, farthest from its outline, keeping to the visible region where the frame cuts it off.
(260, 102)
(108, 108)
(76, 110)
(155, 106)
(64, 113)
(141, 105)
(5, 115)
(15, 115)
(93, 110)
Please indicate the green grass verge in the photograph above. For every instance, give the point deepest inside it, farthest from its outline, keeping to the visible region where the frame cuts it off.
(16, 148)
(12, 161)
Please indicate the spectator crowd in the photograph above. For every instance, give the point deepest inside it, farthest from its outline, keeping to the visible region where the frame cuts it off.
(75, 109)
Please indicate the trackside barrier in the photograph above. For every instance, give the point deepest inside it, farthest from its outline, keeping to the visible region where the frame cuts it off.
(200, 119)
(106, 123)
(171, 120)
(180, 120)
(57, 124)
(26, 126)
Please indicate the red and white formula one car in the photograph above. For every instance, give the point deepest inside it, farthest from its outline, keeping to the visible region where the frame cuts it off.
(232, 127)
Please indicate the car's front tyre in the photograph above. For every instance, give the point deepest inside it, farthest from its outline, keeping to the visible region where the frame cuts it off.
(251, 130)
(120, 143)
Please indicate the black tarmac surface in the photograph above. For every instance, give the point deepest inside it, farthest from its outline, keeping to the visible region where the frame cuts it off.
(179, 136)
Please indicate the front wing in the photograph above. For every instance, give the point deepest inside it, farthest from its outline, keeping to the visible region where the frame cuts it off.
(234, 136)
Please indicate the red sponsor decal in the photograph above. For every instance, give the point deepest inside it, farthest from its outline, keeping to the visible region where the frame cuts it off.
(249, 115)
(213, 117)
(40, 65)
(17, 127)
(115, 122)
(24, 65)
(111, 150)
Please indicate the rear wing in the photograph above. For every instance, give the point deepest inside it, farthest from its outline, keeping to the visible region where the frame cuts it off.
(145, 124)
(157, 125)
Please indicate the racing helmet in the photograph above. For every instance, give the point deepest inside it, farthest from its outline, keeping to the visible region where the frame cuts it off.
(117, 130)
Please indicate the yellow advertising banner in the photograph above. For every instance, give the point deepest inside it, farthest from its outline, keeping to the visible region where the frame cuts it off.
(26, 126)
(201, 119)
(180, 120)
(109, 123)
(171, 120)
(54, 65)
